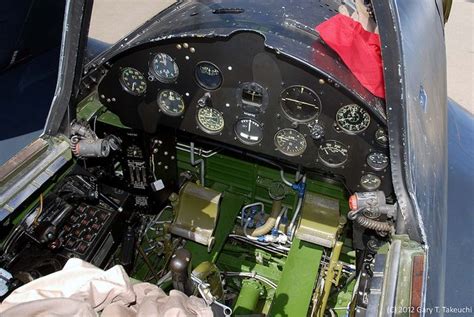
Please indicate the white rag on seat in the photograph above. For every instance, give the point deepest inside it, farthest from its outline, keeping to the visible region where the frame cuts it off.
(81, 289)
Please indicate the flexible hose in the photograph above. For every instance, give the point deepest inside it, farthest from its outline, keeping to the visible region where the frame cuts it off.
(270, 223)
(373, 224)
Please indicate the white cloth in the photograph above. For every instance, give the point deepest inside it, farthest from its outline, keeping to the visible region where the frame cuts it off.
(81, 289)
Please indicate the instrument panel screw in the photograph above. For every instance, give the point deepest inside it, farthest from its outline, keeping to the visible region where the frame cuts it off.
(185, 45)
(192, 50)
(178, 46)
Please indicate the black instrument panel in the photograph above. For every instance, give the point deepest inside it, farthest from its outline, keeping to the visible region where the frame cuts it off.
(238, 92)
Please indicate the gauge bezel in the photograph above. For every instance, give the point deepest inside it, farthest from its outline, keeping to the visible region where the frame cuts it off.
(200, 83)
(291, 154)
(124, 85)
(376, 167)
(372, 188)
(350, 132)
(162, 79)
(300, 120)
(245, 141)
(332, 165)
(206, 129)
(167, 111)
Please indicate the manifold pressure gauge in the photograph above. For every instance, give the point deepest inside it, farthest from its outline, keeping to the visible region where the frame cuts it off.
(210, 120)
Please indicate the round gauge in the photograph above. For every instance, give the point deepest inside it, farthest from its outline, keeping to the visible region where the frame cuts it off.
(370, 182)
(164, 68)
(133, 81)
(352, 119)
(290, 142)
(210, 120)
(170, 102)
(248, 131)
(381, 137)
(378, 161)
(333, 153)
(208, 76)
(300, 103)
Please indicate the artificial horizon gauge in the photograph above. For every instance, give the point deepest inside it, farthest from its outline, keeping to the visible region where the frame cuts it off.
(248, 131)
(208, 75)
(290, 142)
(352, 119)
(164, 68)
(300, 104)
(377, 161)
(171, 102)
(370, 182)
(133, 81)
(210, 120)
(333, 153)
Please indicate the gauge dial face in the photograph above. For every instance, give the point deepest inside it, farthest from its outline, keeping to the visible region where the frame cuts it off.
(290, 142)
(170, 102)
(164, 68)
(208, 76)
(248, 131)
(377, 161)
(352, 119)
(381, 137)
(370, 182)
(300, 103)
(133, 81)
(333, 153)
(210, 120)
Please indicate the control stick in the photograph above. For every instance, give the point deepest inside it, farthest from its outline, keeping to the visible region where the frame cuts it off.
(180, 266)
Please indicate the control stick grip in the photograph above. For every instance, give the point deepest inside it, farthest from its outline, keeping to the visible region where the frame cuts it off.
(180, 266)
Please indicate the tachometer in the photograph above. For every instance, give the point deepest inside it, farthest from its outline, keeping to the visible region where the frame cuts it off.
(133, 81)
(170, 102)
(300, 103)
(210, 120)
(352, 119)
(378, 161)
(208, 76)
(248, 131)
(333, 153)
(290, 142)
(164, 68)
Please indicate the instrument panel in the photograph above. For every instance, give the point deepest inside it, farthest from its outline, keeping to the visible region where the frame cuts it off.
(238, 92)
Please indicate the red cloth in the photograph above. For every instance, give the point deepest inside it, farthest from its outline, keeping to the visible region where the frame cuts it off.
(358, 48)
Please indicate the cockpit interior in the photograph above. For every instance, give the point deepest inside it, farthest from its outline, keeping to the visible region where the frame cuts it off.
(269, 170)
